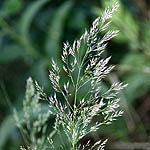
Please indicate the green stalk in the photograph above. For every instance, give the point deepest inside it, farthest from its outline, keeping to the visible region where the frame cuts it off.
(65, 97)
(78, 78)
(76, 88)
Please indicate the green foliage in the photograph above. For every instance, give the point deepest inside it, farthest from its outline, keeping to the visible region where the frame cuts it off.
(28, 15)
(11, 7)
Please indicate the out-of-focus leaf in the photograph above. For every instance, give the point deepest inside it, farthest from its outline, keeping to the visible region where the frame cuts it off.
(10, 53)
(6, 128)
(139, 84)
(10, 7)
(39, 71)
(2, 34)
(55, 30)
(28, 16)
(145, 40)
(117, 130)
(136, 60)
(136, 77)
(78, 20)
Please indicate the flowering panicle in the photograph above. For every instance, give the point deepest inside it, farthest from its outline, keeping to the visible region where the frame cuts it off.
(84, 65)
(84, 60)
(33, 121)
(54, 76)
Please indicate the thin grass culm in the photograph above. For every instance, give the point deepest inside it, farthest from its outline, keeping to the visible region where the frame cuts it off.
(85, 68)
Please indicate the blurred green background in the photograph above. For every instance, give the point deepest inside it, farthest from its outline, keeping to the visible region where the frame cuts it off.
(33, 31)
